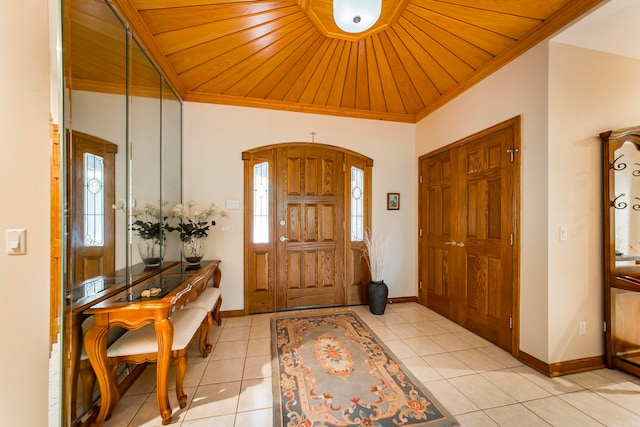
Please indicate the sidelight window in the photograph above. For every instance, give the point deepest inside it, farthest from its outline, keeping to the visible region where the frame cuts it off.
(357, 204)
(93, 200)
(261, 203)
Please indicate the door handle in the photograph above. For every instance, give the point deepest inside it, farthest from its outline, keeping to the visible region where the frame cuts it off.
(452, 243)
(461, 244)
(284, 239)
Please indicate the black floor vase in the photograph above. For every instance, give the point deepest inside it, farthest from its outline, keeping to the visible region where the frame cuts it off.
(377, 293)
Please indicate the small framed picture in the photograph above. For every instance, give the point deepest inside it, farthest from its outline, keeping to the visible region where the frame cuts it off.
(393, 201)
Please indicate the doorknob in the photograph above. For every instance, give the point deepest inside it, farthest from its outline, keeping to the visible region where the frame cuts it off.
(461, 244)
(284, 239)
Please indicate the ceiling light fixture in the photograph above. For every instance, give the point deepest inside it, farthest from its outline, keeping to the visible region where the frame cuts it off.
(356, 16)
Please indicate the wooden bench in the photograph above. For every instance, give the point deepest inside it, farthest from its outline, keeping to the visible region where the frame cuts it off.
(211, 301)
(140, 345)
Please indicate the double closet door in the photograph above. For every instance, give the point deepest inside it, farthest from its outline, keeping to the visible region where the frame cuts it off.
(468, 244)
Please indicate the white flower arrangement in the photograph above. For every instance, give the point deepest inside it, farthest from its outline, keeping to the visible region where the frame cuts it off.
(194, 222)
(148, 223)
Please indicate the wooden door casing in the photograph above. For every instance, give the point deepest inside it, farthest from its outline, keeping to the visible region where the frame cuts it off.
(316, 263)
(469, 216)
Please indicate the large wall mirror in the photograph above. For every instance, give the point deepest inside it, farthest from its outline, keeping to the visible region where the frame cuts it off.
(123, 157)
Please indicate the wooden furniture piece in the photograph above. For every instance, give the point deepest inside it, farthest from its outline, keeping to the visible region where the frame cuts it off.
(621, 182)
(140, 345)
(179, 286)
(78, 299)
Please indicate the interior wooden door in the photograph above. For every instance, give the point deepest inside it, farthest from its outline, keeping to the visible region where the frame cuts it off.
(436, 222)
(468, 252)
(485, 235)
(310, 227)
(92, 195)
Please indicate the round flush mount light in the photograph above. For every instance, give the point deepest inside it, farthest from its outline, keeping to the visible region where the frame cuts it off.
(356, 16)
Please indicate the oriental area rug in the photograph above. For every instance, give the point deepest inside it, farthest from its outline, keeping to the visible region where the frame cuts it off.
(330, 369)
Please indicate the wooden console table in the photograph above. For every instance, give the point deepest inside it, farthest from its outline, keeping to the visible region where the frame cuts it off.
(81, 297)
(128, 309)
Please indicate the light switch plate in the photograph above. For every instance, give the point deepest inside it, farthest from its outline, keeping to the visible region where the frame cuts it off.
(563, 234)
(16, 241)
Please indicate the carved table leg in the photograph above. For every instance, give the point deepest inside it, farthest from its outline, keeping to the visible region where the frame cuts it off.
(96, 347)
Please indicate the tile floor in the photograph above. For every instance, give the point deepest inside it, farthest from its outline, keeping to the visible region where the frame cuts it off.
(479, 383)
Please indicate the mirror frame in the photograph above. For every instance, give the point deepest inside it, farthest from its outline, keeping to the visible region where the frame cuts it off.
(613, 140)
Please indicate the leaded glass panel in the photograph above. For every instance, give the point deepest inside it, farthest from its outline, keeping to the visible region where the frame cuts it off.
(357, 204)
(93, 200)
(261, 203)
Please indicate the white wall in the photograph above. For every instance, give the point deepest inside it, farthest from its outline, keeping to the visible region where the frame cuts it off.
(589, 92)
(24, 195)
(215, 136)
(520, 88)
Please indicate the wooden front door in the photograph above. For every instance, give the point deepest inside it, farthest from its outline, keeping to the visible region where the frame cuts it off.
(468, 217)
(92, 186)
(310, 229)
(306, 209)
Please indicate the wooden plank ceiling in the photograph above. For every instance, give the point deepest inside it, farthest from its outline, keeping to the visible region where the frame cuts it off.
(289, 55)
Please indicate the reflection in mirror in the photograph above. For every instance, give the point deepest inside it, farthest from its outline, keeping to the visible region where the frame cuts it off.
(171, 165)
(95, 124)
(123, 145)
(146, 208)
(626, 202)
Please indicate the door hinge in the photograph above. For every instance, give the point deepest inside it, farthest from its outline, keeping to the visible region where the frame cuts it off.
(420, 284)
(512, 152)
(420, 232)
(344, 167)
(604, 326)
(510, 322)
(420, 179)
(511, 239)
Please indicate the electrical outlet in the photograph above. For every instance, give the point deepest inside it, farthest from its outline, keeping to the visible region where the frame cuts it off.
(582, 326)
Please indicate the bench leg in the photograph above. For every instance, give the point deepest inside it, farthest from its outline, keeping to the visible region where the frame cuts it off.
(216, 311)
(181, 370)
(204, 345)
